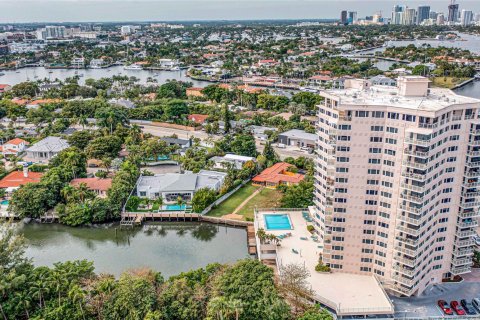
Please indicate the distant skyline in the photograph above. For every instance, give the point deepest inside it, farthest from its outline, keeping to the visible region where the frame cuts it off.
(21, 11)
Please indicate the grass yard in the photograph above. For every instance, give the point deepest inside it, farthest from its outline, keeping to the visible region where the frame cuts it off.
(229, 205)
(447, 82)
(267, 198)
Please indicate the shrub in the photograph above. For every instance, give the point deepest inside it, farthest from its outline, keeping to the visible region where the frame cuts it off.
(310, 228)
(320, 267)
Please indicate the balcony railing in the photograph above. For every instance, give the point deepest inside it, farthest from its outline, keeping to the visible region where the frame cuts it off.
(411, 187)
(464, 234)
(424, 143)
(405, 240)
(471, 204)
(416, 165)
(471, 214)
(403, 270)
(414, 153)
(409, 262)
(461, 270)
(417, 200)
(463, 253)
(414, 221)
(474, 153)
(415, 176)
(414, 210)
(403, 280)
(402, 290)
(467, 224)
(474, 143)
(471, 184)
(462, 261)
(411, 253)
(410, 231)
(464, 243)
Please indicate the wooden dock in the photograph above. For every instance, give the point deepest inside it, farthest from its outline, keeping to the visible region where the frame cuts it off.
(252, 243)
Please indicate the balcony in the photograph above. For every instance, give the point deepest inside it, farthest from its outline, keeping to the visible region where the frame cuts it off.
(464, 234)
(423, 143)
(456, 117)
(415, 199)
(462, 261)
(403, 280)
(463, 253)
(415, 176)
(406, 261)
(414, 221)
(410, 242)
(471, 184)
(471, 214)
(471, 174)
(475, 131)
(473, 164)
(461, 270)
(472, 194)
(464, 243)
(411, 187)
(471, 224)
(402, 290)
(410, 231)
(409, 252)
(405, 271)
(416, 165)
(469, 205)
(474, 153)
(345, 118)
(419, 154)
(474, 143)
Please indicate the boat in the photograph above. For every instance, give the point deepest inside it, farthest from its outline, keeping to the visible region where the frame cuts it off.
(177, 68)
(133, 67)
(477, 76)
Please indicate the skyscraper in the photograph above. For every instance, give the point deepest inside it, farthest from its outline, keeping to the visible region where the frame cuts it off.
(453, 12)
(423, 13)
(466, 17)
(396, 193)
(344, 17)
(397, 14)
(409, 17)
(352, 16)
(440, 19)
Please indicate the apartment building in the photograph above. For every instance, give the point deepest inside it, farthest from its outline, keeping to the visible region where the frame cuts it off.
(398, 182)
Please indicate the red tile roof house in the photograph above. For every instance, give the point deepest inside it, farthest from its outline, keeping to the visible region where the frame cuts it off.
(5, 88)
(14, 147)
(97, 185)
(198, 118)
(276, 175)
(16, 179)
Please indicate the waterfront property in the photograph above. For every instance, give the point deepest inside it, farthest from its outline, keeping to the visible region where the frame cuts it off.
(15, 179)
(46, 149)
(276, 175)
(97, 185)
(171, 186)
(397, 183)
(345, 294)
(235, 160)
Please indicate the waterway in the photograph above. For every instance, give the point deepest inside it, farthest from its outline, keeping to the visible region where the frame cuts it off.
(13, 77)
(169, 247)
(470, 90)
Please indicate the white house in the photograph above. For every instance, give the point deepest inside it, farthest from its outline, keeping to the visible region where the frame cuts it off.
(236, 160)
(170, 186)
(46, 149)
(14, 147)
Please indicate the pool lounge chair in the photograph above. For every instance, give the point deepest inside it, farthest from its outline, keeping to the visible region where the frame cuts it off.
(294, 251)
(304, 238)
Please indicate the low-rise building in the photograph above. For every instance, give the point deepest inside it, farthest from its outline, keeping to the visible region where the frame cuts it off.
(198, 118)
(46, 149)
(276, 175)
(195, 92)
(235, 160)
(171, 186)
(5, 87)
(260, 132)
(298, 138)
(14, 147)
(97, 185)
(381, 80)
(15, 179)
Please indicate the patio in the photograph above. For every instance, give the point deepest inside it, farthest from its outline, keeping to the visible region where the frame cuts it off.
(346, 294)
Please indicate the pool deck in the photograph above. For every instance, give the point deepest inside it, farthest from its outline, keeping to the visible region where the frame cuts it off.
(346, 294)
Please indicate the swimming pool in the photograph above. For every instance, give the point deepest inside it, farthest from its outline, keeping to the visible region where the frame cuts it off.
(174, 207)
(4, 203)
(277, 222)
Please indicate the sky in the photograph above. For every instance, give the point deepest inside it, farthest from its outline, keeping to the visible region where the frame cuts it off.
(17, 11)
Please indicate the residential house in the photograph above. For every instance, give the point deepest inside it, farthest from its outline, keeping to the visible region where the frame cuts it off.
(46, 149)
(198, 118)
(49, 86)
(13, 147)
(381, 80)
(5, 87)
(123, 103)
(171, 186)
(298, 138)
(259, 132)
(235, 160)
(15, 179)
(97, 185)
(195, 92)
(320, 80)
(276, 175)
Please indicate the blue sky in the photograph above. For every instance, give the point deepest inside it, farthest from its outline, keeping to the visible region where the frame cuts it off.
(137, 10)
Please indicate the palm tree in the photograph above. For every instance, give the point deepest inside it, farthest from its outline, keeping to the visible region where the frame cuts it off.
(76, 295)
(220, 307)
(106, 163)
(69, 193)
(83, 192)
(237, 306)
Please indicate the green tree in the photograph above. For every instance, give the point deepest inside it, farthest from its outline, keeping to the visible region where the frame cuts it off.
(110, 117)
(202, 199)
(104, 146)
(244, 144)
(80, 139)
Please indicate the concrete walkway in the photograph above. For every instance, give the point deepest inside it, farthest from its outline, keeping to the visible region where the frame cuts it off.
(234, 214)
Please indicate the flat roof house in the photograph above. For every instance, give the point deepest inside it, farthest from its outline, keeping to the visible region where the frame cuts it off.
(277, 175)
(170, 186)
(298, 138)
(46, 149)
(236, 160)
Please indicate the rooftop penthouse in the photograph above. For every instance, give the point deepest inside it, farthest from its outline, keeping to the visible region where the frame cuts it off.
(411, 92)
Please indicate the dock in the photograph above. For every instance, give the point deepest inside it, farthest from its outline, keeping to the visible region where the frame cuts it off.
(131, 219)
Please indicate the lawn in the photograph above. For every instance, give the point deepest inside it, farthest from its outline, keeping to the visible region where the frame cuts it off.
(229, 205)
(267, 198)
(447, 82)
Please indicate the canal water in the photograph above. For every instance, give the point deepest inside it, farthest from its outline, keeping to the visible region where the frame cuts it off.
(169, 247)
(13, 77)
(470, 90)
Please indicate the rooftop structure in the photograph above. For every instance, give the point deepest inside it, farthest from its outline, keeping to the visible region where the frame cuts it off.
(17, 178)
(98, 185)
(46, 149)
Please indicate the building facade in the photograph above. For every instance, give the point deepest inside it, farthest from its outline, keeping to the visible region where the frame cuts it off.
(396, 192)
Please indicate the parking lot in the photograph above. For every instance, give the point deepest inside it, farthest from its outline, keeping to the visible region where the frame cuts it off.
(426, 304)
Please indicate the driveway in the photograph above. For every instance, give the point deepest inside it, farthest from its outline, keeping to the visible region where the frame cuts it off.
(426, 304)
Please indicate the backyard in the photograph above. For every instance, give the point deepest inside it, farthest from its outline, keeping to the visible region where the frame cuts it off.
(266, 198)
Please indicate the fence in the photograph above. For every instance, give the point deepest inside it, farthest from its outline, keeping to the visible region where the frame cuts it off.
(223, 198)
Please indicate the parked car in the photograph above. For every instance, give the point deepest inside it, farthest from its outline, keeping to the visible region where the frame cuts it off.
(468, 307)
(457, 308)
(445, 307)
(476, 304)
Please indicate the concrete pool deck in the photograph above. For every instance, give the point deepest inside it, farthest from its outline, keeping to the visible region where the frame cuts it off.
(346, 294)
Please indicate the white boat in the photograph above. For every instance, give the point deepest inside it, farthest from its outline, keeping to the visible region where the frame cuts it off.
(133, 67)
(175, 69)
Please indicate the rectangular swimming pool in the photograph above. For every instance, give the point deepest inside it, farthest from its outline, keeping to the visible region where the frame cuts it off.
(4, 202)
(174, 207)
(277, 222)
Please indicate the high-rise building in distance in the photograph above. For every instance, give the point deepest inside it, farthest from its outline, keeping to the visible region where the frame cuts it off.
(466, 17)
(409, 16)
(397, 13)
(344, 17)
(453, 12)
(423, 13)
(397, 182)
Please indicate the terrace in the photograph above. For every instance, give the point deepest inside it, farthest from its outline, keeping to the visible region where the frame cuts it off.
(346, 294)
